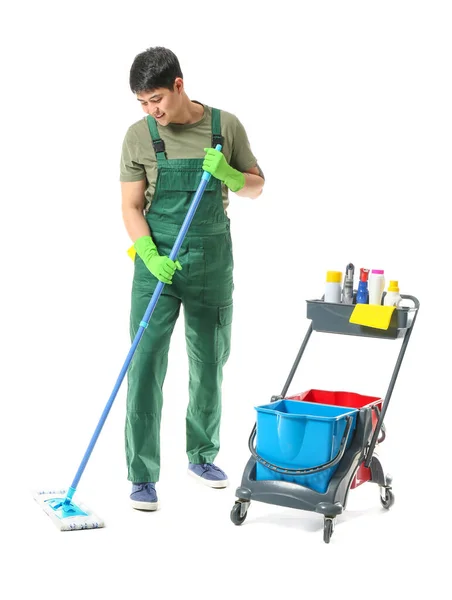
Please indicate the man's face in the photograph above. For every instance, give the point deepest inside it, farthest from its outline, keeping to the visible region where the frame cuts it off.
(162, 104)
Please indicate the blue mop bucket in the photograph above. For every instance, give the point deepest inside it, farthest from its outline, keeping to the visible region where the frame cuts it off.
(302, 435)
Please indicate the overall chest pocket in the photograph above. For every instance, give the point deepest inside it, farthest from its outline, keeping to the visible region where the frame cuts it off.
(184, 180)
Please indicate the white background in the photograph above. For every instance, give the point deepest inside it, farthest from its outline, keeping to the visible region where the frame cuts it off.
(348, 109)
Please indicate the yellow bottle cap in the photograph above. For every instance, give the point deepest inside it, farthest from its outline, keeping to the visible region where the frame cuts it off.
(393, 286)
(333, 276)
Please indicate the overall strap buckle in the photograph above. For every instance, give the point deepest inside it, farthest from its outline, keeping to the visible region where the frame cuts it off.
(217, 139)
(159, 145)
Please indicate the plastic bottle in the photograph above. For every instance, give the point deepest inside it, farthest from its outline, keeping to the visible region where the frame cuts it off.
(376, 286)
(347, 290)
(333, 286)
(392, 297)
(362, 295)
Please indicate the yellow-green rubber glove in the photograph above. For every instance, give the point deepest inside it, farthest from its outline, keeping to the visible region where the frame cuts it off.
(216, 164)
(161, 267)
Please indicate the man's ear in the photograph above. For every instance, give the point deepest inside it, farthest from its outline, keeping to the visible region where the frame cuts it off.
(178, 85)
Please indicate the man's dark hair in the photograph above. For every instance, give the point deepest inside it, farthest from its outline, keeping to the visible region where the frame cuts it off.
(154, 68)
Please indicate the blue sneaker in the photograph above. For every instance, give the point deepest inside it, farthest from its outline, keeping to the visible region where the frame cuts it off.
(144, 496)
(208, 474)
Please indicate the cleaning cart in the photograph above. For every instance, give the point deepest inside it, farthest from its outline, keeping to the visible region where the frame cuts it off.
(308, 450)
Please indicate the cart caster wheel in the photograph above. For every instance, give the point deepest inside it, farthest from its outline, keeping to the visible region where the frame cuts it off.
(387, 498)
(236, 513)
(328, 528)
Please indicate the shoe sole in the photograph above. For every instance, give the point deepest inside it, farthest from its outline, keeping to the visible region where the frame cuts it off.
(213, 484)
(144, 505)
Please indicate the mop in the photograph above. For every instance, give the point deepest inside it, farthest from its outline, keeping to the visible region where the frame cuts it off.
(59, 504)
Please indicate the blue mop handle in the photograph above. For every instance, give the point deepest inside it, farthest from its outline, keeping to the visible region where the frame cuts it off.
(144, 323)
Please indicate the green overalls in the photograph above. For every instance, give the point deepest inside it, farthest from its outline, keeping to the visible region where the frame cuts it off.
(204, 287)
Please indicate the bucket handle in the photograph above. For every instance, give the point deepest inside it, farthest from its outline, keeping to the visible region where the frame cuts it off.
(309, 470)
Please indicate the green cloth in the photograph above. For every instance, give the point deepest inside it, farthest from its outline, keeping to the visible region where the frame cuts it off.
(138, 160)
(204, 288)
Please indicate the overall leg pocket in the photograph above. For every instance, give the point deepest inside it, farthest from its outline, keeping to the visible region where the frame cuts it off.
(207, 331)
(223, 333)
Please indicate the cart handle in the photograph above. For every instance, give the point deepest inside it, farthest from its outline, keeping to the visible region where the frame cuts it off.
(309, 470)
(413, 299)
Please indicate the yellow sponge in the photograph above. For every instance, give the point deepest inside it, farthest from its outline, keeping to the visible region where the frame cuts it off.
(372, 315)
(131, 252)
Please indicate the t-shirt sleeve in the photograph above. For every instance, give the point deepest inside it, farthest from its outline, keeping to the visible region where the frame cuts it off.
(130, 167)
(242, 158)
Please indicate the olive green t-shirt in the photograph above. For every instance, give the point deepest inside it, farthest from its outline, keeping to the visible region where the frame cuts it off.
(138, 160)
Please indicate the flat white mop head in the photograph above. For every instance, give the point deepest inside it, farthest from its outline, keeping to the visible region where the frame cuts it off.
(67, 517)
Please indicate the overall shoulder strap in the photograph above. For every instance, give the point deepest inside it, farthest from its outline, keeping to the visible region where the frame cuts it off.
(157, 142)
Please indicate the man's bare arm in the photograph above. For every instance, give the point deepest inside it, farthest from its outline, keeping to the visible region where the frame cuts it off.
(132, 208)
(254, 183)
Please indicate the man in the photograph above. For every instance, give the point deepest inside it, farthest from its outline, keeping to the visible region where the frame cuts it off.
(163, 158)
